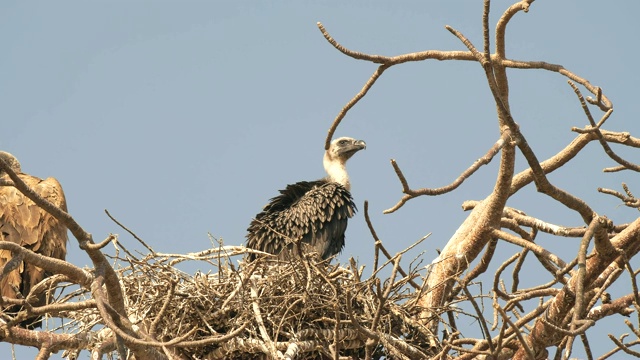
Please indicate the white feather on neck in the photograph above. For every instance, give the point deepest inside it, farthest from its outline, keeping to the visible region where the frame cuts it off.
(337, 171)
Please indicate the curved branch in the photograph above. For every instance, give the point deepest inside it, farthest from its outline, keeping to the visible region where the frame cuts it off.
(385, 62)
(54, 341)
(352, 102)
(525, 177)
(50, 264)
(533, 247)
(410, 194)
(603, 102)
(504, 20)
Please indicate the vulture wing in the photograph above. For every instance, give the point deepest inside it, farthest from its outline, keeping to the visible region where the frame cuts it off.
(312, 213)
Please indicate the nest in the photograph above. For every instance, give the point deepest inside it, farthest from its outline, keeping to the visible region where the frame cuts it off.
(268, 308)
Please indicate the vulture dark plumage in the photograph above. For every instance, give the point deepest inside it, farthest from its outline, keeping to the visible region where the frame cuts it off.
(311, 213)
(23, 222)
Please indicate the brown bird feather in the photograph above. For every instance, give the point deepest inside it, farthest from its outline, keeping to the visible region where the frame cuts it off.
(24, 223)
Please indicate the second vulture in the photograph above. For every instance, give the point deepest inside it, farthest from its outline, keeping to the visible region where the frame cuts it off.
(313, 214)
(26, 224)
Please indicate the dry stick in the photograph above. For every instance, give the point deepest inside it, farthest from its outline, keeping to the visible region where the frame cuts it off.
(393, 348)
(473, 352)
(499, 340)
(335, 300)
(511, 224)
(336, 329)
(494, 303)
(374, 235)
(119, 246)
(130, 232)
(533, 247)
(258, 316)
(410, 194)
(385, 62)
(452, 325)
(379, 246)
(617, 349)
(72, 272)
(596, 129)
(626, 190)
(496, 74)
(579, 285)
(601, 240)
(354, 54)
(604, 104)
(483, 323)
(163, 309)
(537, 224)
(382, 299)
(402, 252)
(214, 340)
(115, 322)
(515, 274)
(568, 153)
(99, 296)
(529, 294)
(630, 325)
(55, 341)
(496, 278)
(516, 330)
(598, 99)
(624, 347)
(523, 220)
(587, 347)
(478, 270)
(504, 20)
(613, 276)
(54, 309)
(515, 227)
(352, 102)
(634, 286)
(485, 29)
(103, 243)
(618, 306)
(629, 201)
(366, 333)
(44, 352)
(399, 59)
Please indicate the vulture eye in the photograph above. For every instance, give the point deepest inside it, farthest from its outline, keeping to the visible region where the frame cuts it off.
(343, 142)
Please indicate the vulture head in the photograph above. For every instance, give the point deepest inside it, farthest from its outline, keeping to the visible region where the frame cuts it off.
(11, 161)
(335, 159)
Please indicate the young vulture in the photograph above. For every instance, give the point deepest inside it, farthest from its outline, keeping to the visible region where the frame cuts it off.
(24, 223)
(311, 213)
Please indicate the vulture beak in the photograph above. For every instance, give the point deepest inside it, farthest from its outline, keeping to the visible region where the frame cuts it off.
(360, 144)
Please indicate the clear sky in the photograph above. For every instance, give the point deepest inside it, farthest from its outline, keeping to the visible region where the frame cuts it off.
(183, 118)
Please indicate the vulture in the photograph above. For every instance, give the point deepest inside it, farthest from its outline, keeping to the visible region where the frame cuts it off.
(23, 222)
(313, 214)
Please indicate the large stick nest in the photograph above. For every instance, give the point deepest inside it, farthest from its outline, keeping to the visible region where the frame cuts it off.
(299, 308)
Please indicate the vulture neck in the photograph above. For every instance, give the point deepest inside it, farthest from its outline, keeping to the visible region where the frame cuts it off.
(337, 171)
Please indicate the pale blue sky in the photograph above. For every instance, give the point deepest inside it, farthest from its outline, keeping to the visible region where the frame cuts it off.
(185, 117)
